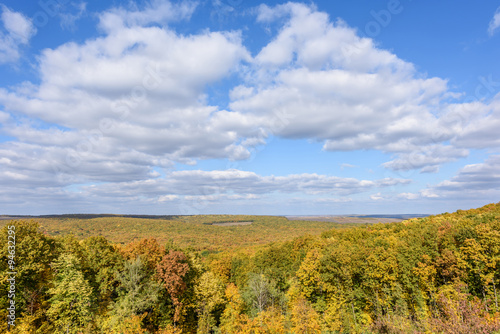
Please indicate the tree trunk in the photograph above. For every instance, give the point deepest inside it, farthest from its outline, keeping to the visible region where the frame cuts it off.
(353, 313)
(484, 298)
(495, 290)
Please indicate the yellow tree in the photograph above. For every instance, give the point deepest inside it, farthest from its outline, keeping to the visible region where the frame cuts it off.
(31, 258)
(474, 259)
(170, 329)
(305, 320)
(332, 318)
(489, 238)
(148, 248)
(426, 272)
(270, 321)
(209, 293)
(308, 274)
(220, 265)
(232, 319)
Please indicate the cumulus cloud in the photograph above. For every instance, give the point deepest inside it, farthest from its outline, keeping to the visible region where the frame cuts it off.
(166, 198)
(494, 23)
(482, 130)
(139, 89)
(324, 82)
(17, 31)
(134, 102)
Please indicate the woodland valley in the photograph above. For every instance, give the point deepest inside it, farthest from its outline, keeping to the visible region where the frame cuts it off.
(252, 274)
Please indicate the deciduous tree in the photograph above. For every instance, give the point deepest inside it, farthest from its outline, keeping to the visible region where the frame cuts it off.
(171, 271)
(209, 292)
(71, 301)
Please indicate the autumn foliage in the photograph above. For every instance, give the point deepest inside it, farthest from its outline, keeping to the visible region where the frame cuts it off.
(438, 274)
(171, 271)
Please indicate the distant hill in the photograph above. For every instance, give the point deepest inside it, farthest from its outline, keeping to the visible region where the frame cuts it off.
(396, 216)
(88, 216)
(358, 219)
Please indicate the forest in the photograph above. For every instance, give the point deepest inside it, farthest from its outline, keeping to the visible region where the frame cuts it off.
(437, 274)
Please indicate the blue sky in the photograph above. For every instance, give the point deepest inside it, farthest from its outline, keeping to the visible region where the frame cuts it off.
(241, 107)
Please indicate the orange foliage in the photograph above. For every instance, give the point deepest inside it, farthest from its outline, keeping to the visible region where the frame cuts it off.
(171, 270)
(148, 248)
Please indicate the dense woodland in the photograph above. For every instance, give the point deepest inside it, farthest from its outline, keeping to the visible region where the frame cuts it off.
(438, 274)
(197, 232)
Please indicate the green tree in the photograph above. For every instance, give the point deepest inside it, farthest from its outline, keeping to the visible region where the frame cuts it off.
(261, 293)
(31, 258)
(102, 261)
(138, 294)
(71, 301)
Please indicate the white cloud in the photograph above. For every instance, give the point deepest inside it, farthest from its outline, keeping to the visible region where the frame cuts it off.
(18, 31)
(482, 130)
(333, 200)
(188, 190)
(377, 197)
(494, 23)
(428, 193)
(157, 11)
(4, 117)
(69, 17)
(426, 158)
(324, 82)
(140, 89)
(346, 165)
(476, 177)
(316, 43)
(167, 198)
(67, 159)
(473, 183)
(244, 183)
(409, 196)
(219, 197)
(18, 26)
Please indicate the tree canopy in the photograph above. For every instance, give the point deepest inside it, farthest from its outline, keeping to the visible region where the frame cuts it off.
(438, 274)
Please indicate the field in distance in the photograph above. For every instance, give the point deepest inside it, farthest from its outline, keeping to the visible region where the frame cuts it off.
(201, 232)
